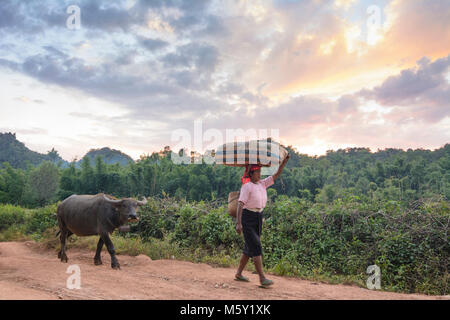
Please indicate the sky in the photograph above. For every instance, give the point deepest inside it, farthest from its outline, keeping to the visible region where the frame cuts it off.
(315, 74)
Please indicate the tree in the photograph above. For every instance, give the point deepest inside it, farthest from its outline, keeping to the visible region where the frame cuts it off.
(87, 177)
(53, 155)
(13, 184)
(44, 182)
(305, 194)
(101, 176)
(326, 194)
(362, 185)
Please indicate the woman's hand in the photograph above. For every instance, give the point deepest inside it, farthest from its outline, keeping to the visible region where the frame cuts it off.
(286, 158)
(239, 228)
(280, 168)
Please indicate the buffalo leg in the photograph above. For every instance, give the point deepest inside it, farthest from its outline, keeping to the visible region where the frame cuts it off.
(62, 253)
(109, 245)
(69, 233)
(98, 258)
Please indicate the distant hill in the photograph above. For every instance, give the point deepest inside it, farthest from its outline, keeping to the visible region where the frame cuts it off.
(110, 156)
(18, 155)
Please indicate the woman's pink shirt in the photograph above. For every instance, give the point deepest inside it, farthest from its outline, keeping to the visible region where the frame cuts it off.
(254, 195)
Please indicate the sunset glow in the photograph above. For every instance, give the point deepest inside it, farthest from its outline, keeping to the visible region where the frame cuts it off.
(327, 74)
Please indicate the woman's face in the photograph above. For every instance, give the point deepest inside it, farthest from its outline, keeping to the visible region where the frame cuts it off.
(256, 175)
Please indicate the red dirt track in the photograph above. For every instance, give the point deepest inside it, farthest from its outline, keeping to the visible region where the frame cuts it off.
(28, 271)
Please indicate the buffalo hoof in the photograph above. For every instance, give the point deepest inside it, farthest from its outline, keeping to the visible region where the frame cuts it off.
(115, 266)
(59, 254)
(98, 262)
(64, 258)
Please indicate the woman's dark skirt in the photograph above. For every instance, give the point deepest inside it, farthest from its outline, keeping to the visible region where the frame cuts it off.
(251, 229)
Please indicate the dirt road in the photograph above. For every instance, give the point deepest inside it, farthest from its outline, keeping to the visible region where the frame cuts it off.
(28, 271)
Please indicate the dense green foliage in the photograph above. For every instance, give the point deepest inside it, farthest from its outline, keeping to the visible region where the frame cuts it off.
(409, 243)
(389, 174)
(339, 239)
(27, 221)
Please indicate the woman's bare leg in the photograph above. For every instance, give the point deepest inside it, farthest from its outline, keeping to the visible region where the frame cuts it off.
(259, 268)
(242, 264)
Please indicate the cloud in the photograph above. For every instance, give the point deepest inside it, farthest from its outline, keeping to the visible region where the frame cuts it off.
(418, 27)
(424, 90)
(126, 58)
(9, 15)
(152, 44)
(201, 56)
(17, 17)
(347, 103)
(310, 45)
(295, 65)
(29, 131)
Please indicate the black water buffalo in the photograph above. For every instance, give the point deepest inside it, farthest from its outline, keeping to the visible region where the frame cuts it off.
(100, 214)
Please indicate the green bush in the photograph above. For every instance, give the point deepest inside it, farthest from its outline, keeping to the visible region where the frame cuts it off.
(217, 229)
(11, 215)
(156, 218)
(410, 245)
(42, 219)
(187, 228)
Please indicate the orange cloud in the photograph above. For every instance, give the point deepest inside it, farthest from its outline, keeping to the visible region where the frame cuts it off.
(327, 60)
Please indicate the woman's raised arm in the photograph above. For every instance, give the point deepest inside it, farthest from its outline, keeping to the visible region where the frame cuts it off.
(280, 168)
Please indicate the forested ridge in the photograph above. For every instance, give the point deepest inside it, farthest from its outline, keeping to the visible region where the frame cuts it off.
(19, 156)
(390, 174)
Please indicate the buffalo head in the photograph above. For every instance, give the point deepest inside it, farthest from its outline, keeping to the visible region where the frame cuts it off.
(126, 207)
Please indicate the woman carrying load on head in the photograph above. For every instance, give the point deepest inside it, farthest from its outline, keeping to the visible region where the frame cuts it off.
(251, 203)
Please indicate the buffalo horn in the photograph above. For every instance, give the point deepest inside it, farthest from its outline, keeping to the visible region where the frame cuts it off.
(143, 202)
(111, 201)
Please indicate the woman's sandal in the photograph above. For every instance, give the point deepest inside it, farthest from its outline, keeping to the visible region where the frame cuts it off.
(241, 278)
(266, 283)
